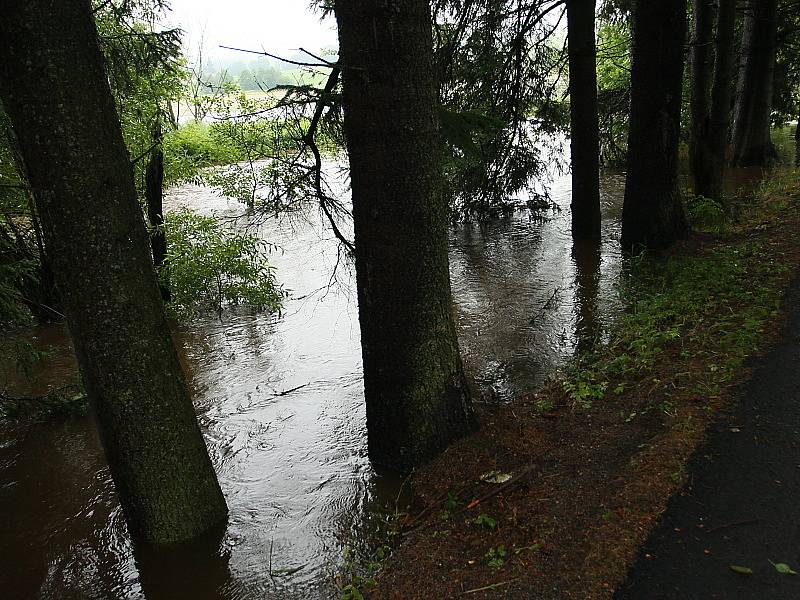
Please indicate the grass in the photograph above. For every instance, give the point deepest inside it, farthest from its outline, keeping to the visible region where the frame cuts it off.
(708, 307)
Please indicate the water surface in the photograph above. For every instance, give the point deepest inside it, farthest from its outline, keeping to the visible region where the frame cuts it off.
(280, 401)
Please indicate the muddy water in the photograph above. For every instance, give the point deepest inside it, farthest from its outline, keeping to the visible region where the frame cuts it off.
(281, 405)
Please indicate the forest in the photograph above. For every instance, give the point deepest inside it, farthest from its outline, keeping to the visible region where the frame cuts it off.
(493, 299)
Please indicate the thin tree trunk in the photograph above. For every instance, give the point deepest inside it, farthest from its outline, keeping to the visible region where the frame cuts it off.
(701, 61)
(54, 87)
(797, 143)
(653, 214)
(416, 396)
(154, 196)
(584, 125)
(752, 145)
(43, 301)
(710, 183)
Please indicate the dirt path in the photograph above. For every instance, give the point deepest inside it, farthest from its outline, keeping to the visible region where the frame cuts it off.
(742, 504)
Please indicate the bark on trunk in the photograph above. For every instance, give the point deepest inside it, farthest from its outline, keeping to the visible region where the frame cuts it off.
(54, 87)
(416, 396)
(709, 179)
(653, 214)
(587, 258)
(701, 60)
(584, 126)
(154, 196)
(752, 145)
(797, 143)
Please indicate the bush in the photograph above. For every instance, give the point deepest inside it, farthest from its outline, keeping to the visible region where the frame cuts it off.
(191, 148)
(210, 266)
(706, 214)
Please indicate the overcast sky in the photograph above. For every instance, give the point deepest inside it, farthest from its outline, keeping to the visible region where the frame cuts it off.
(274, 25)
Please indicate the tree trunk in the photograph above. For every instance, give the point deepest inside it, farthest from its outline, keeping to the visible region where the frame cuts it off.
(587, 258)
(416, 395)
(797, 143)
(701, 61)
(584, 125)
(653, 214)
(42, 298)
(154, 196)
(752, 145)
(709, 180)
(54, 87)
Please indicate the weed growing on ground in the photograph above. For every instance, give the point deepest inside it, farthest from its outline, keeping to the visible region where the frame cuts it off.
(707, 310)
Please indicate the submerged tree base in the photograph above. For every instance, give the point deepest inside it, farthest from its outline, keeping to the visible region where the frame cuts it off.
(594, 457)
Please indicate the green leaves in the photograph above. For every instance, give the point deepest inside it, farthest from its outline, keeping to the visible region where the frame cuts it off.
(497, 556)
(210, 266)
(485, 520)
(783, 568)
(462, 129)
(741, 570)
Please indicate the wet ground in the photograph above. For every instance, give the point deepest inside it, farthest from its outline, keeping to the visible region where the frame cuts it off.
(280, 401)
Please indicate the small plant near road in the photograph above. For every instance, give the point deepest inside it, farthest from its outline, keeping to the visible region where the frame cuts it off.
(496, 556)
(484, 520)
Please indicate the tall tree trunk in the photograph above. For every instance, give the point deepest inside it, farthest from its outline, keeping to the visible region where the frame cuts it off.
(752, 145)
(653, 214)
(584, 125)
(154, 196)
(701, 62)
(416, 395)
(797, 143)
(587, 258)
(54, 87)
(709, 181)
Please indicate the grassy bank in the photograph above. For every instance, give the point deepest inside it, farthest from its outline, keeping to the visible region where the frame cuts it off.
(594, 457)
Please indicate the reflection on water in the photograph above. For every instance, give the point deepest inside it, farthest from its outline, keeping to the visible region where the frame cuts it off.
(281, 404)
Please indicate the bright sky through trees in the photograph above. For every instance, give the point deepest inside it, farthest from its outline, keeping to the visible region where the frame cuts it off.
(277, 26)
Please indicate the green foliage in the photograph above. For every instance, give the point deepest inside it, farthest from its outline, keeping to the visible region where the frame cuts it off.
(191, 148)
(64, 402)
(19, 258)
(210, 266)
(484, 520)
(61, 402)
(146, 69)
(583, 389)
(496, 557)
(707, 310)
(507, 72)
(358, 578)
(14, 275)
(258, 144)
(613, 87)
(706, 214)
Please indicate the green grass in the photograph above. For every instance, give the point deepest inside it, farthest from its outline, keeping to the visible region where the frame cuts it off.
(705, 311)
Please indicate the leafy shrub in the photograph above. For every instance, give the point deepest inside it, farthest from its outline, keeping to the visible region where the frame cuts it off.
(706, 214)
(191, 148)
(210, 266)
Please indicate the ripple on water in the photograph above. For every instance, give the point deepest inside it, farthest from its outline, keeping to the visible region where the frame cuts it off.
(280, 401)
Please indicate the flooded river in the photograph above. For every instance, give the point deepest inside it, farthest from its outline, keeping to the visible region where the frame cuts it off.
(280, 401)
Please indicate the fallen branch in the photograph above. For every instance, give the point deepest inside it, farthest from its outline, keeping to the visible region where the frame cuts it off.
(486, 588)
(734, 524)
